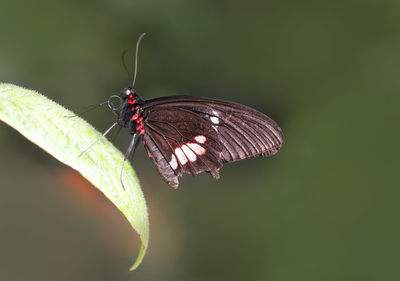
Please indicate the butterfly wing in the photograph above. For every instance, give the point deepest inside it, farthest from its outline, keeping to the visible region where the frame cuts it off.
(194, 134)
(182, 139)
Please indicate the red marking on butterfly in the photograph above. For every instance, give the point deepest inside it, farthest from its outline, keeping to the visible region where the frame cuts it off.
(140, 127)
(135, 116)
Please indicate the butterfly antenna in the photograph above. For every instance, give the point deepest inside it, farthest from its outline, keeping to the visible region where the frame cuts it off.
(86, 109)
(124, 64)
(127, 153)
(136, 58)
(98, 139)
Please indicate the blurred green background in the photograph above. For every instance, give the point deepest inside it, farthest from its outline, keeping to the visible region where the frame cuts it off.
(324, 208)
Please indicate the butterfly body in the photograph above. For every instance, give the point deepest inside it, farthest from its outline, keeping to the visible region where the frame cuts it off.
(184, 134)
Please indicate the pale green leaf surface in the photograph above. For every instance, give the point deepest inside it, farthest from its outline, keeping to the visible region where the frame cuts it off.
(43, 122)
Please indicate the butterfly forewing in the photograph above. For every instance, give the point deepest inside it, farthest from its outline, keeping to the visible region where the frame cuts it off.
(242, 131)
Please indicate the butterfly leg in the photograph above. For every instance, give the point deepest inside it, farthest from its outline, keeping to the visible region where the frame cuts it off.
(98, 139)
(131, 149)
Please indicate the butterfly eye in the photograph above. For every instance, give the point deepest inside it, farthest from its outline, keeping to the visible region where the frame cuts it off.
(125, 93)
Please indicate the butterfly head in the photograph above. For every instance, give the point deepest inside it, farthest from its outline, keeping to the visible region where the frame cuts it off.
(129, 94)
(130, 97)
(130, 107)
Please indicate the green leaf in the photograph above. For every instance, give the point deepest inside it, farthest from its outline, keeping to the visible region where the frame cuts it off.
(43, 122)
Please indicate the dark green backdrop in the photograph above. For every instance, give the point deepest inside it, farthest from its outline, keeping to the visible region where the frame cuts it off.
(324, 208)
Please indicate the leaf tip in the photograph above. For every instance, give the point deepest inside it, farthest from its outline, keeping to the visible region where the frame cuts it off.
(139, 258)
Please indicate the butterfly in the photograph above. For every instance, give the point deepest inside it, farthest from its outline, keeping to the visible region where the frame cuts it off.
(191, 135)
(184, 134)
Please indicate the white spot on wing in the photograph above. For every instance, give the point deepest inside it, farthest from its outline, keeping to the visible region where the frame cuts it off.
(189, 153)
(198, 149)
(200, 139)
(173, 163)
(181, 156)
(214, 120)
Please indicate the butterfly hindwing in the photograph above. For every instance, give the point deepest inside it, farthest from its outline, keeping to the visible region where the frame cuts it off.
(163, 167)
(187, 142)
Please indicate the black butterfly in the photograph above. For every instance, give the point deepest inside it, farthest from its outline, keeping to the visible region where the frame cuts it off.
(184, 134)
(191, 135)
